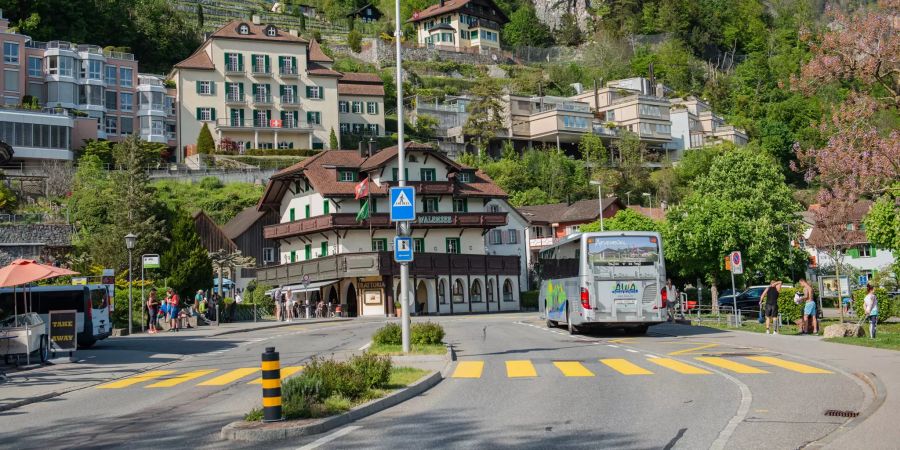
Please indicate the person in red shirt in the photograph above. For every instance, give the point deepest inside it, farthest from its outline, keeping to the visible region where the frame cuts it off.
(173, 300)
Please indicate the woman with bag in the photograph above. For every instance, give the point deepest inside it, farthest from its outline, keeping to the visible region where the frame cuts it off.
(153, 310)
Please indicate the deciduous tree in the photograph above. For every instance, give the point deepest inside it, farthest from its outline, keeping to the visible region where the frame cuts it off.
(525, 29)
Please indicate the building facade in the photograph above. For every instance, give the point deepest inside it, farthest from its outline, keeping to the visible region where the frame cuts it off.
(348, 259)
(258, 86)
(460, 25)
(510, 239)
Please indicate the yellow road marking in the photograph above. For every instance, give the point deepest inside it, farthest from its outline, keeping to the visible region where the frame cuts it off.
(789, 365)
(625, 367)
(285, 372)
(468, 369)
(679, 366)
(174, 381)
(519, 369)
(730, 365)
(692, 349)
(573, 369)
(139, 378)
(622, 340)
(230, 377)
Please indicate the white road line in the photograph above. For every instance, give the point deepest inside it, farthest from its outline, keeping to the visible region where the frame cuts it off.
(326, 439)
(613, 346)
(630, 350)
(652, 356)
(365, 346)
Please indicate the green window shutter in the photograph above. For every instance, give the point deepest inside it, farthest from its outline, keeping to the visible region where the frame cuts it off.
(267, 64)
(376, 107)
(306, 210)
(309, 117)
(294, 63)
(212, 87)
(308, 91)
(373, 208)
(324, 250)
(268, 89)
(308, 250)
(394, 173)
(293, 256)
(281, 63)
(253, 63)
(268, 116)
(854, 253)
(198, 114)
(326, 206)
(872, 251)
(227, 89)
(198, 87)
(226, 58)
(294, 91)
(282, 116)
(242, 114)
(293, 215)
(296, 117)
(241, 89)
(212, 112)
(281, 89)
(465, 205)
(240, 62)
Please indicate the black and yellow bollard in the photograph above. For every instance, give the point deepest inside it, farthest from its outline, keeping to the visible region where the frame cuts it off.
(271, 384)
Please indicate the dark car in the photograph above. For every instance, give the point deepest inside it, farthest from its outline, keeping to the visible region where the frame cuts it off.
(747, 300)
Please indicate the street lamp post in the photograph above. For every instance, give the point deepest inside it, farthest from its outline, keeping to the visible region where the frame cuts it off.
(130, 240)
(649, 196)
(600, 199)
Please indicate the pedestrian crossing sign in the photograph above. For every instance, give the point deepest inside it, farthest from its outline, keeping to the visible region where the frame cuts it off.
(403, 204)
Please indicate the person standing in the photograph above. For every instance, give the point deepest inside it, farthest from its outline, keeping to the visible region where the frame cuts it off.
(152, 310)
(870, 303)
(172, 301)
(276, 296)
(770, 297)
(671, 299)
(810, 321)
(289, 304)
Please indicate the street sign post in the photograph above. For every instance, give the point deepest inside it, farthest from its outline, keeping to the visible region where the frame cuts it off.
(737, 267)
(403, 249)
(149, 261)
(403, 204)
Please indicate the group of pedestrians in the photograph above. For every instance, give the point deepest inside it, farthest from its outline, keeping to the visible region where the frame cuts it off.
(177, 311)
(768, 303)
(287, 308)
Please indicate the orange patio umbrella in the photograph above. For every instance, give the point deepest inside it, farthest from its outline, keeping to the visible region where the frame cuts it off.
(24, 271)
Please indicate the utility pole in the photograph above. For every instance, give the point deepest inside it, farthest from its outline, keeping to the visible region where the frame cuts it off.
(404, 228)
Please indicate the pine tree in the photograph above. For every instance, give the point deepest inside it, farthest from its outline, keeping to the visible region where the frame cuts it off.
(186, 263)
(484, 112)
(199, 16)
(205, 143)
(333, 141)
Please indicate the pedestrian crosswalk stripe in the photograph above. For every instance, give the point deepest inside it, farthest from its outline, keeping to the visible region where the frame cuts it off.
(573, 369)
(468, 369)
(520, 369)
(176, 380)
(625, 367)
(285, 372)
(139, 378)
(679, 366)
(789, 365)
(230, 377)
(729, 364)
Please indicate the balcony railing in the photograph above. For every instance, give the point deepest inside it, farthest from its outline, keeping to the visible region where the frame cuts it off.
(606, 131)
(541, 242)
(235, 97)
(261, 72)
(288, 72)
(290, 100)
(262, 99)
(233, 69)
(381, 220)
(252, 124)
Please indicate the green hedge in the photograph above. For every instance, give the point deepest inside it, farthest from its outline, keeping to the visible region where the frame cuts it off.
(267, 163)
(427, 333)
(390, 334)
(790, 311)
(281, 152)
(887, 307)
(529, 299)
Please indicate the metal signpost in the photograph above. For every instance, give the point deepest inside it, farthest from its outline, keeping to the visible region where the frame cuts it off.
(306, 304)
(737, 268)
(149, 261)
(403, 211)
(404, 228)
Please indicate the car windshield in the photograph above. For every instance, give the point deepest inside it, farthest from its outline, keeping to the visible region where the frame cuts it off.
(753, 292)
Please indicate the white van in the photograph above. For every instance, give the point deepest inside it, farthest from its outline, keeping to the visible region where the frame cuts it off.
(91, 303)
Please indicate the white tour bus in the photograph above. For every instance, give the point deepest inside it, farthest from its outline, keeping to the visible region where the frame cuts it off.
(91, 303)
(612, 278)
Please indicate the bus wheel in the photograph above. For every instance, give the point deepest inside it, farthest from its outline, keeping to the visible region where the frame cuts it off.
(573, 330)
(639, 330)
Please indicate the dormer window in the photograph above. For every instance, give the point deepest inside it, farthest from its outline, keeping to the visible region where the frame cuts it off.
(243, 29)
(271, 31)
(464, 177)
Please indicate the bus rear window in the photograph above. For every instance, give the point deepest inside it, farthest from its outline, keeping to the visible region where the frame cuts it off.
(623, 251)
(98, 298)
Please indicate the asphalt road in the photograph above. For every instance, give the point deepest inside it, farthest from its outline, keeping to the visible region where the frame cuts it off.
(515, 384)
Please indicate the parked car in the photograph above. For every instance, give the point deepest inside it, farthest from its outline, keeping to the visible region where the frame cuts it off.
(747, 300)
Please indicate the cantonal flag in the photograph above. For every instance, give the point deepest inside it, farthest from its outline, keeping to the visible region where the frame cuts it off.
(362, 189)
(363, 212)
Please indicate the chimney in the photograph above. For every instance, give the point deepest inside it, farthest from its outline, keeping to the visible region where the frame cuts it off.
(652, 78)
(362, 149)
(373, 148)
(579, 88)
(293, 33)
(255, 19)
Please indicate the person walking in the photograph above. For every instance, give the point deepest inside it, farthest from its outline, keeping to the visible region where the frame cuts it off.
(770, 297)
(152, 310)
(289, 304)
(810, 321)
(870, 303)
(172, 300)
(671, 299)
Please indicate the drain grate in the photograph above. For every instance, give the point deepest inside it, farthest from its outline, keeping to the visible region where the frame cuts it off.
(839, 413)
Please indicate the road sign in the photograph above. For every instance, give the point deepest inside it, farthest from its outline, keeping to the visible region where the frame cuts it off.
(151, 261)
(403, 249)
(737, 264)
(403, 204)
(305, 280)
(863, 279)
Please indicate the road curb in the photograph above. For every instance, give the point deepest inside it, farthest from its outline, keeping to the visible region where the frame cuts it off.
(266, 432)
(277, 325)
(879, 394)
(35, 399)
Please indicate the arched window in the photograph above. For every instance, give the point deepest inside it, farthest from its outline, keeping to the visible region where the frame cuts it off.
(490, 290)
(442, 293)
(243, 29)
(475, 293)
(457, 293)
(507, 291)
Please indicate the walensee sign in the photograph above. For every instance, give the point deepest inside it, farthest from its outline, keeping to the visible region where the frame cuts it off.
(62, 331)
(435, 220)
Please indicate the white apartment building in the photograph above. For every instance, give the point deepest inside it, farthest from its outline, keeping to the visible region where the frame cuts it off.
(263, 87)
(511, 239)
(350, 262)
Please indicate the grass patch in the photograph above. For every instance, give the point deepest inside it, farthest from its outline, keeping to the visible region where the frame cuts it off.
(889, 341)
(404, 376)
(415, 349)
(888, 335)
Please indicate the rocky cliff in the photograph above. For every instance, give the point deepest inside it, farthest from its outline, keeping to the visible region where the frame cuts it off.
(551, 11)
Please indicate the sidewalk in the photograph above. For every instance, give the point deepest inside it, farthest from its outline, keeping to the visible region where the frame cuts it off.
(118, 357)
(878, 430)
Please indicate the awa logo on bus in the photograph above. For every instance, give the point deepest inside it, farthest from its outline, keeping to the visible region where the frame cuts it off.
(625, 288)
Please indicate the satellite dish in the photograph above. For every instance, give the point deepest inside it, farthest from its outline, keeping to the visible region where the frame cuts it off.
(6, 153)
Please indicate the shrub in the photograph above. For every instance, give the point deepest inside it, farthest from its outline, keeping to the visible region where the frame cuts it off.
(789, 310)
(210, 183)
(205, 142)
(304, 386)
(335, 378)
(375, 370)
(354, 41)
(530, 299)
(886, 305)
(281, 152)
(390, 334)
(427, 333)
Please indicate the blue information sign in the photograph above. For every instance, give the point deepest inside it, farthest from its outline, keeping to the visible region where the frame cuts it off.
(403, 249)
(403, 204)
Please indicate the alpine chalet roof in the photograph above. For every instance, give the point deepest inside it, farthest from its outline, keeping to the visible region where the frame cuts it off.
(449, 6)
(316, 54)
(241, 222)
(581, 211)
(198, 60)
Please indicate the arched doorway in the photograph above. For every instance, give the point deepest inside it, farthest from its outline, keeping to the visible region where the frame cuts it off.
(333, 296)
(351, 302)
(422, 298)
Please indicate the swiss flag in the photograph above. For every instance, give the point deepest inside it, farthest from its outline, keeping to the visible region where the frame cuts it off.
(362, 189)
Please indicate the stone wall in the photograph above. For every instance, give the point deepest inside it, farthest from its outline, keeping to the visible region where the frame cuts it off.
(34, 241)
(382, 54)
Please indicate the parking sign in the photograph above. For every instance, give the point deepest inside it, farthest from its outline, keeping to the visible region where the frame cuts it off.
(737, 263)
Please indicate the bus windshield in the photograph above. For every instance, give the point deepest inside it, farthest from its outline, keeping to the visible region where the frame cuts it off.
(607, 251)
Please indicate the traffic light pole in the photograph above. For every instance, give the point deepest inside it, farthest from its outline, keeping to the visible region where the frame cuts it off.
(405, 227)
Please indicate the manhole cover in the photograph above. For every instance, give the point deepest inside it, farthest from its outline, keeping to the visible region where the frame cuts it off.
(840, 413)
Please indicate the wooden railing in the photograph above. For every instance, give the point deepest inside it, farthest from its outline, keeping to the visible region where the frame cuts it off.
(382, 220)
